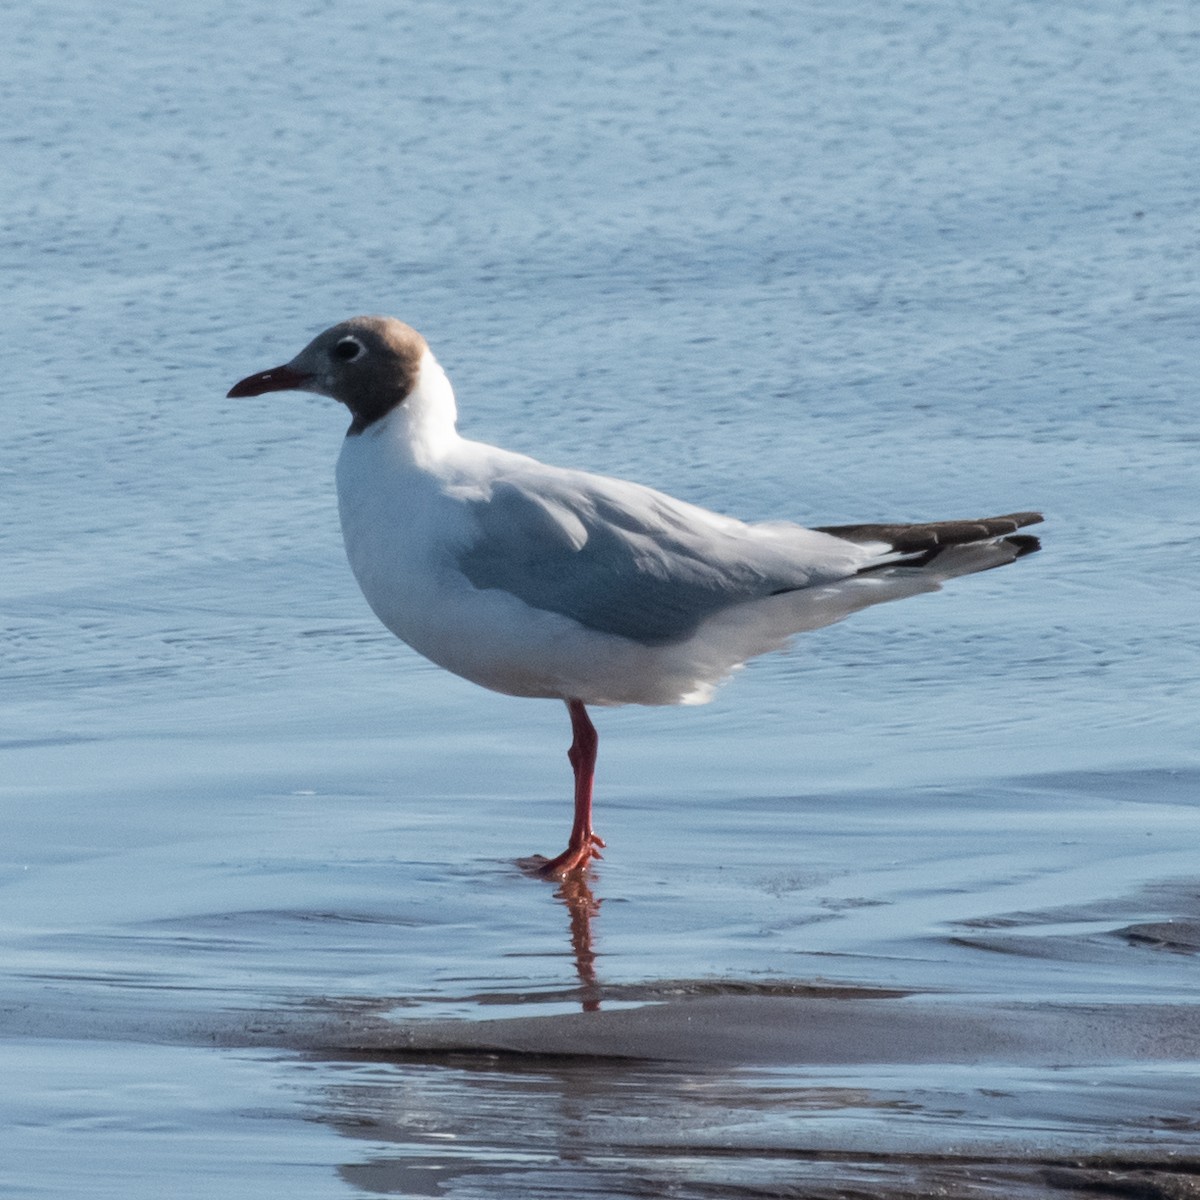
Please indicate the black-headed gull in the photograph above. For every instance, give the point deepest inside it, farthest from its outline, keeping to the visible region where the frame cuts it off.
(539, 581)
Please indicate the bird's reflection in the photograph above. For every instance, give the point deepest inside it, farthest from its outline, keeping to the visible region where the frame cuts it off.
(576, 893)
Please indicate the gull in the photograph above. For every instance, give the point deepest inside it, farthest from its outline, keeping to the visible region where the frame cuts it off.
(548, 582)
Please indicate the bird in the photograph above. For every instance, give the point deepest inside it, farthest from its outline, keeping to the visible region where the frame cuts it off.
(551, 582)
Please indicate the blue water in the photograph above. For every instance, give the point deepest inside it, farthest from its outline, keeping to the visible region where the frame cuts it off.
(831, 264)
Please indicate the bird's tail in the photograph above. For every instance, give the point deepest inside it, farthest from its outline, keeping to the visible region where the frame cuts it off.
(944, 549)
(918, 558)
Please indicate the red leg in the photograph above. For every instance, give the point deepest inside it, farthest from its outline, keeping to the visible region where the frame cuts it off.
(583, 844)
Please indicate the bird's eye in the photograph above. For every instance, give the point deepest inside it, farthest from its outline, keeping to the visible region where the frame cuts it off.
(347, 350)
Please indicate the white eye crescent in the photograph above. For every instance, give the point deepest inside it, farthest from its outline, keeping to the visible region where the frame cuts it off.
(346, 349)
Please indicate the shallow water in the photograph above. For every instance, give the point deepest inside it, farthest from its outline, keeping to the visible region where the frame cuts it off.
(915, 906)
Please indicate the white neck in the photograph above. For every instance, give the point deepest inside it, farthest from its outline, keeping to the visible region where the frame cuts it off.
(423, 426)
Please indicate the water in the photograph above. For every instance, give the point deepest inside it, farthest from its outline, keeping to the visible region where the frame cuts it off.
(913, 905)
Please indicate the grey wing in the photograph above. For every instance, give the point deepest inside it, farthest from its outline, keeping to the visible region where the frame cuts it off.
(618, 558)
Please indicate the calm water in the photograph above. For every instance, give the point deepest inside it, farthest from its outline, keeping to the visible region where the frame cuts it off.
(927, 885)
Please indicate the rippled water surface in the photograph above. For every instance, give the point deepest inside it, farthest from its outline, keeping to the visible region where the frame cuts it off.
(913, 907)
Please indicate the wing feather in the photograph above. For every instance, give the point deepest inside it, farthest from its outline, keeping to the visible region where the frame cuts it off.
(623, 559)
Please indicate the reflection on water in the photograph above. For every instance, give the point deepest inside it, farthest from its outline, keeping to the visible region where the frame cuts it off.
(576, 894)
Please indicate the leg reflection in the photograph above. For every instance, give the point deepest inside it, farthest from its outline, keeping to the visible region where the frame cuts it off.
(575, 892)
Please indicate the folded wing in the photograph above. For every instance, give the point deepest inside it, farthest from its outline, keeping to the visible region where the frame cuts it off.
(626, 560)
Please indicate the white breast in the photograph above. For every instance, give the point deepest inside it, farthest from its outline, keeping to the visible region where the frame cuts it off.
(394, 530)
(404, 523)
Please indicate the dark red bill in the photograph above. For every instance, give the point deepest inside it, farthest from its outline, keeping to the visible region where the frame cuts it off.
(278, 379)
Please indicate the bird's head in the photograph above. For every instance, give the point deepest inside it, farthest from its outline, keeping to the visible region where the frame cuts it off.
(369, 364)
